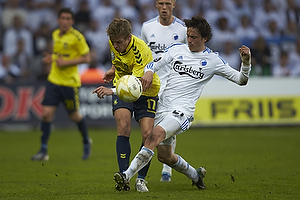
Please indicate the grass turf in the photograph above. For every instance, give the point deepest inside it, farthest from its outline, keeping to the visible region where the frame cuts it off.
(241, 163)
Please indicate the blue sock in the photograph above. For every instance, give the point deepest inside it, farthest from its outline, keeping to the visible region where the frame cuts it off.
(46, 129)
(83, 130)
(143, 172)
(123, 152)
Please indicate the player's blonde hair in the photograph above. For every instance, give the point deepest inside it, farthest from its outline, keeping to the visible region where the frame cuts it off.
(119, 27)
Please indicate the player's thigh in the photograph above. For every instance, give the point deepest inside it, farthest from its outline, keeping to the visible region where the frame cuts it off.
(70, 98)
(122, 112)
(52, 95)
(170, 125)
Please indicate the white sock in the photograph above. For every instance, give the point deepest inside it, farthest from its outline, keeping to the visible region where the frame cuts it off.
(183, 167)
(167, 169)
(140, 160)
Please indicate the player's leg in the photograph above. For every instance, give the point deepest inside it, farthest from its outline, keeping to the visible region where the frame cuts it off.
(173, 125)
(144, 112)
(50, 102)
(70, 96)
(167, 170)
(82, 127)
(123, 120)
(123, 113)
(144, 156)
(146, 124)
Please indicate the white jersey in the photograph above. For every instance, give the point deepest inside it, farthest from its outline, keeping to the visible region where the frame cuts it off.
(188, 73)
(159, 37)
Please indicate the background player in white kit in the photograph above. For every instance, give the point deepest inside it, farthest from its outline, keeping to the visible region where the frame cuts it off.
(191, 68)
(159, 33)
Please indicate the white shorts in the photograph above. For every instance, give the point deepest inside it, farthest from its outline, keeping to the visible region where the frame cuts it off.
(173, 123)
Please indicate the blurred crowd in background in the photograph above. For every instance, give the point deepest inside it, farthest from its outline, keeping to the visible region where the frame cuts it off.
(271, 28)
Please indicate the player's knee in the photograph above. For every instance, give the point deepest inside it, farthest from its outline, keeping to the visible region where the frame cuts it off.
(124, 129)
(47, 117)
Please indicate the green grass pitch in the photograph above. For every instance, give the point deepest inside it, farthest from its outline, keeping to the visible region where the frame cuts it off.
(242, 163)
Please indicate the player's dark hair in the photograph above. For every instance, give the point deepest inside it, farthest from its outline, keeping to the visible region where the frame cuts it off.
(65, 10)
(119, 27)
(200, 23)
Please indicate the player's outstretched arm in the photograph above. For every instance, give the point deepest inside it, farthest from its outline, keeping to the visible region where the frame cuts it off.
(102, 91)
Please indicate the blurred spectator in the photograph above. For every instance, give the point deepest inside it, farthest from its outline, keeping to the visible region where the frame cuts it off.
(21, 59)
(104, 13)
(40, 11)
(222, 34)
(261, 58)
(72, 4)
(11, 9)
(82, 17)
(231, 55)
(40, 39)
(42, 42)
(289, 36)
(268, 12)
(282, 68)
(97, 38)
(13, 35)
(218, 11)
(187, 9)
(246, 33)
(294, 58)
(129, 11)
(293, 11)
(238, 8)
(148, 9)
(8, 71)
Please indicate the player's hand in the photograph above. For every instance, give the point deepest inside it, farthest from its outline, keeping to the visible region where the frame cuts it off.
(109, 76)
(245, 55)
(60, 61)
(102, 91)
(146, 80)
(47, 58)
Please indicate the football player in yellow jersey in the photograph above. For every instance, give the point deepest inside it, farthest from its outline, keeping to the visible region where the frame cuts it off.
(129, 56)
(69, 50)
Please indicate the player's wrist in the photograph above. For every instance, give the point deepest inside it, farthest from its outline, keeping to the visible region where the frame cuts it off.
(114, 90)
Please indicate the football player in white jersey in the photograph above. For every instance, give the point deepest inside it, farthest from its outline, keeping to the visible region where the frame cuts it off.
(159, 33)
(191, 67)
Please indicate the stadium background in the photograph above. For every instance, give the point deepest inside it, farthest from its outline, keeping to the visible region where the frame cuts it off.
(272, 96)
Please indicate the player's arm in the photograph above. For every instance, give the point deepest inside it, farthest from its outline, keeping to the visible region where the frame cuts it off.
(102, 91)
(60, 62)
(152, 67)
(245, 55)
(239, 77)
(109, 75)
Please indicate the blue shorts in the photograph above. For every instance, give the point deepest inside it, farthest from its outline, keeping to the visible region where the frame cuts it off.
(55, 94)
(143, 107)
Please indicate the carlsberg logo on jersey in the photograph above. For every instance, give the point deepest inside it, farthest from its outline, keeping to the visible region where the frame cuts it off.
(157, 48)
(188, 70)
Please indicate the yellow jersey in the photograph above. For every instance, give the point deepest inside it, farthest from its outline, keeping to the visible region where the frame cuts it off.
(69, 46)
(133, 61)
